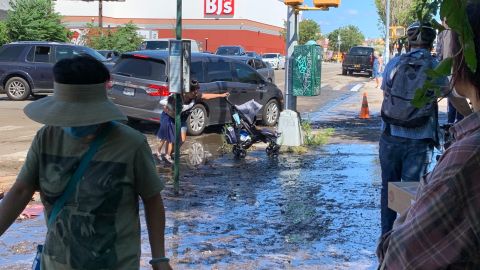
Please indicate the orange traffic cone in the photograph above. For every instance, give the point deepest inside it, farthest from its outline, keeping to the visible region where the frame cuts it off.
(364, 113)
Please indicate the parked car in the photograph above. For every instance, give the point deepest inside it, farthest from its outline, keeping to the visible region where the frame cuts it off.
(230, 50)
(26, 66)
(276, 60)
(111, 55)
(359, 59)
(162, 44)
(261, 67)
(139, 82)
(253, 54)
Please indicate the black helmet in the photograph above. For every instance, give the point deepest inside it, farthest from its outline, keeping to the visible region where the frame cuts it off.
(421, 34)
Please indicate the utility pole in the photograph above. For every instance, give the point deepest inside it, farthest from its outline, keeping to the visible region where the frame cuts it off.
(100, 14)
(387, 31)
(292, 41)
(178, 110)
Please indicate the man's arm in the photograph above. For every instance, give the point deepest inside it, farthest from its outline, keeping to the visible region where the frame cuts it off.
(155, 217)
(13, 203)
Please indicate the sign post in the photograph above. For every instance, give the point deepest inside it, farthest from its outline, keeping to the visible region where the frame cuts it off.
(178, 104)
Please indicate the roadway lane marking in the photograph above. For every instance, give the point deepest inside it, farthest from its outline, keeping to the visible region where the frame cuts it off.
(357, 87)
(8, 128)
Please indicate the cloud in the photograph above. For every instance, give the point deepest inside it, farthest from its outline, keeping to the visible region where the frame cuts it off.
(352, 12)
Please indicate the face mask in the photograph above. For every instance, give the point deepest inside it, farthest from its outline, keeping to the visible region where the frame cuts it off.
(81, 132)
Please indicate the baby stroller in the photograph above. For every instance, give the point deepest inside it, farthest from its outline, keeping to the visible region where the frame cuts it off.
(243, 133)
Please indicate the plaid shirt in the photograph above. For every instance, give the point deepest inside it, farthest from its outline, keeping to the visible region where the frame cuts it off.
(442, 229)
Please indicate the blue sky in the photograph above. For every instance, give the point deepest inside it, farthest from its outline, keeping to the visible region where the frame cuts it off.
(361, 13)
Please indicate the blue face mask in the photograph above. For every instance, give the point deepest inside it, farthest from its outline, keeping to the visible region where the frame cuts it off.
(81, 132)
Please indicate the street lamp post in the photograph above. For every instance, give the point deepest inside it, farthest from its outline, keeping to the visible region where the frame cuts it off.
(339, 41)
(387, 32)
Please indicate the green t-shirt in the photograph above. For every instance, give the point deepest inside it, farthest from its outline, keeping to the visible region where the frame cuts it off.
(99, 226)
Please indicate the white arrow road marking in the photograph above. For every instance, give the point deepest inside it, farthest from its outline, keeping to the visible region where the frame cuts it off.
(357, 87)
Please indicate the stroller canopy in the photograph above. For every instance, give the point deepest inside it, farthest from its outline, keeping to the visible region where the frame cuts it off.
(249, 109)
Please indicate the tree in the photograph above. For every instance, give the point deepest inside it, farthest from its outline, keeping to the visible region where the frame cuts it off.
(4, 34)
(124, 38)
(402, 12)
(34, 20)
(350, 36)
(309, 30)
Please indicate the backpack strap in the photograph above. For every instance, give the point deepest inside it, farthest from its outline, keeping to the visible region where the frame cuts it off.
(76, 177)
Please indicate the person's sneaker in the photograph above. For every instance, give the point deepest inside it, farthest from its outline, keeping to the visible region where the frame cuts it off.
(157, 159)
(168, 159)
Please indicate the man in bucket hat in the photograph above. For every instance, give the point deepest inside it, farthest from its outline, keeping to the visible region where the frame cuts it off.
(97, 226)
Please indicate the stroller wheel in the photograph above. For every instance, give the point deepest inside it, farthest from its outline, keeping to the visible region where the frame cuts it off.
(239, 152)
(272, 150)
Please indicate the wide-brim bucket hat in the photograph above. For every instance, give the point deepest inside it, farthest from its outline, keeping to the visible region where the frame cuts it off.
(74, 105)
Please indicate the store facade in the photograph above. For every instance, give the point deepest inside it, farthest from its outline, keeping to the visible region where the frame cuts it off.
(254, 24)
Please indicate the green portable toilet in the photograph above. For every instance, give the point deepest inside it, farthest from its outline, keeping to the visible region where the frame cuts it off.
(307, 67)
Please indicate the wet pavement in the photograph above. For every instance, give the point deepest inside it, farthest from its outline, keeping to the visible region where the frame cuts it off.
(312, 211)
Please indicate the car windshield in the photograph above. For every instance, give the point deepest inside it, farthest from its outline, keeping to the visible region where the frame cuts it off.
(104, 53)
(361, 51)
(269, 55)
(93, 53)
(155, 45)
(228, 51)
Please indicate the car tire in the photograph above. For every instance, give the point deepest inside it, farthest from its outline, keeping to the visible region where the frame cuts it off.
(271, 112)
(370, 74)
(197, 120)
(344, 72)
(17, 88)
(350, 72)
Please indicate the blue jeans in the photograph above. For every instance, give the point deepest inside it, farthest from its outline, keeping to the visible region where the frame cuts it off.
(401, 159)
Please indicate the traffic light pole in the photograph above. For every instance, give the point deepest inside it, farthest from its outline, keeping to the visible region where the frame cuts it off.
(291, 41)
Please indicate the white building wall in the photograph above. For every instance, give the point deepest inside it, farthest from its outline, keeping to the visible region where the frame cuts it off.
(271, 12)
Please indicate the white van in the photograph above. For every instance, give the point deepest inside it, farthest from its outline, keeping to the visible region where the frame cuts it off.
(162, 44)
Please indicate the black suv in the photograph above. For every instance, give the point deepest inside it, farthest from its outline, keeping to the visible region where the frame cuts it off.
(26, 66)
(139, 83)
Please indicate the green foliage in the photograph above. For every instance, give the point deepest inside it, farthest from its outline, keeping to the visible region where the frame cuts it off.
(402, 12)
(125, 38)
(350, 36)
(34, 20)
(315, 138)
(4, 38)
(455, 13)
(308, 30)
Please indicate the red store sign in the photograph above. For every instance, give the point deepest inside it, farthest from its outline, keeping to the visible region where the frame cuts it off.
(219, 7)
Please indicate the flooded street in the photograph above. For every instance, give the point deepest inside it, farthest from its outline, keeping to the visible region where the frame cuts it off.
(313, 211)
(318, 210)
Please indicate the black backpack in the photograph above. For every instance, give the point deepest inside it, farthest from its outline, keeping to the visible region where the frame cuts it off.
(408, 76)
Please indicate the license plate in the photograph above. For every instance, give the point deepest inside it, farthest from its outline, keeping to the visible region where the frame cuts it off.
(129, 91)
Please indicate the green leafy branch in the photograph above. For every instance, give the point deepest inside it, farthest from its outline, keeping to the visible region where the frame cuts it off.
(454, 11)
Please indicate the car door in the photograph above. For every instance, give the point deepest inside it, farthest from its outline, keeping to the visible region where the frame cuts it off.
(250, 84)
(41, 56)
(219, 79)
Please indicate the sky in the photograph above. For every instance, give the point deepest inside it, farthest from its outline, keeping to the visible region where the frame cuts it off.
(361, 13)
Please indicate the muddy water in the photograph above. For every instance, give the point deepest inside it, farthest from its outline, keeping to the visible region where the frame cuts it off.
(312, 211)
